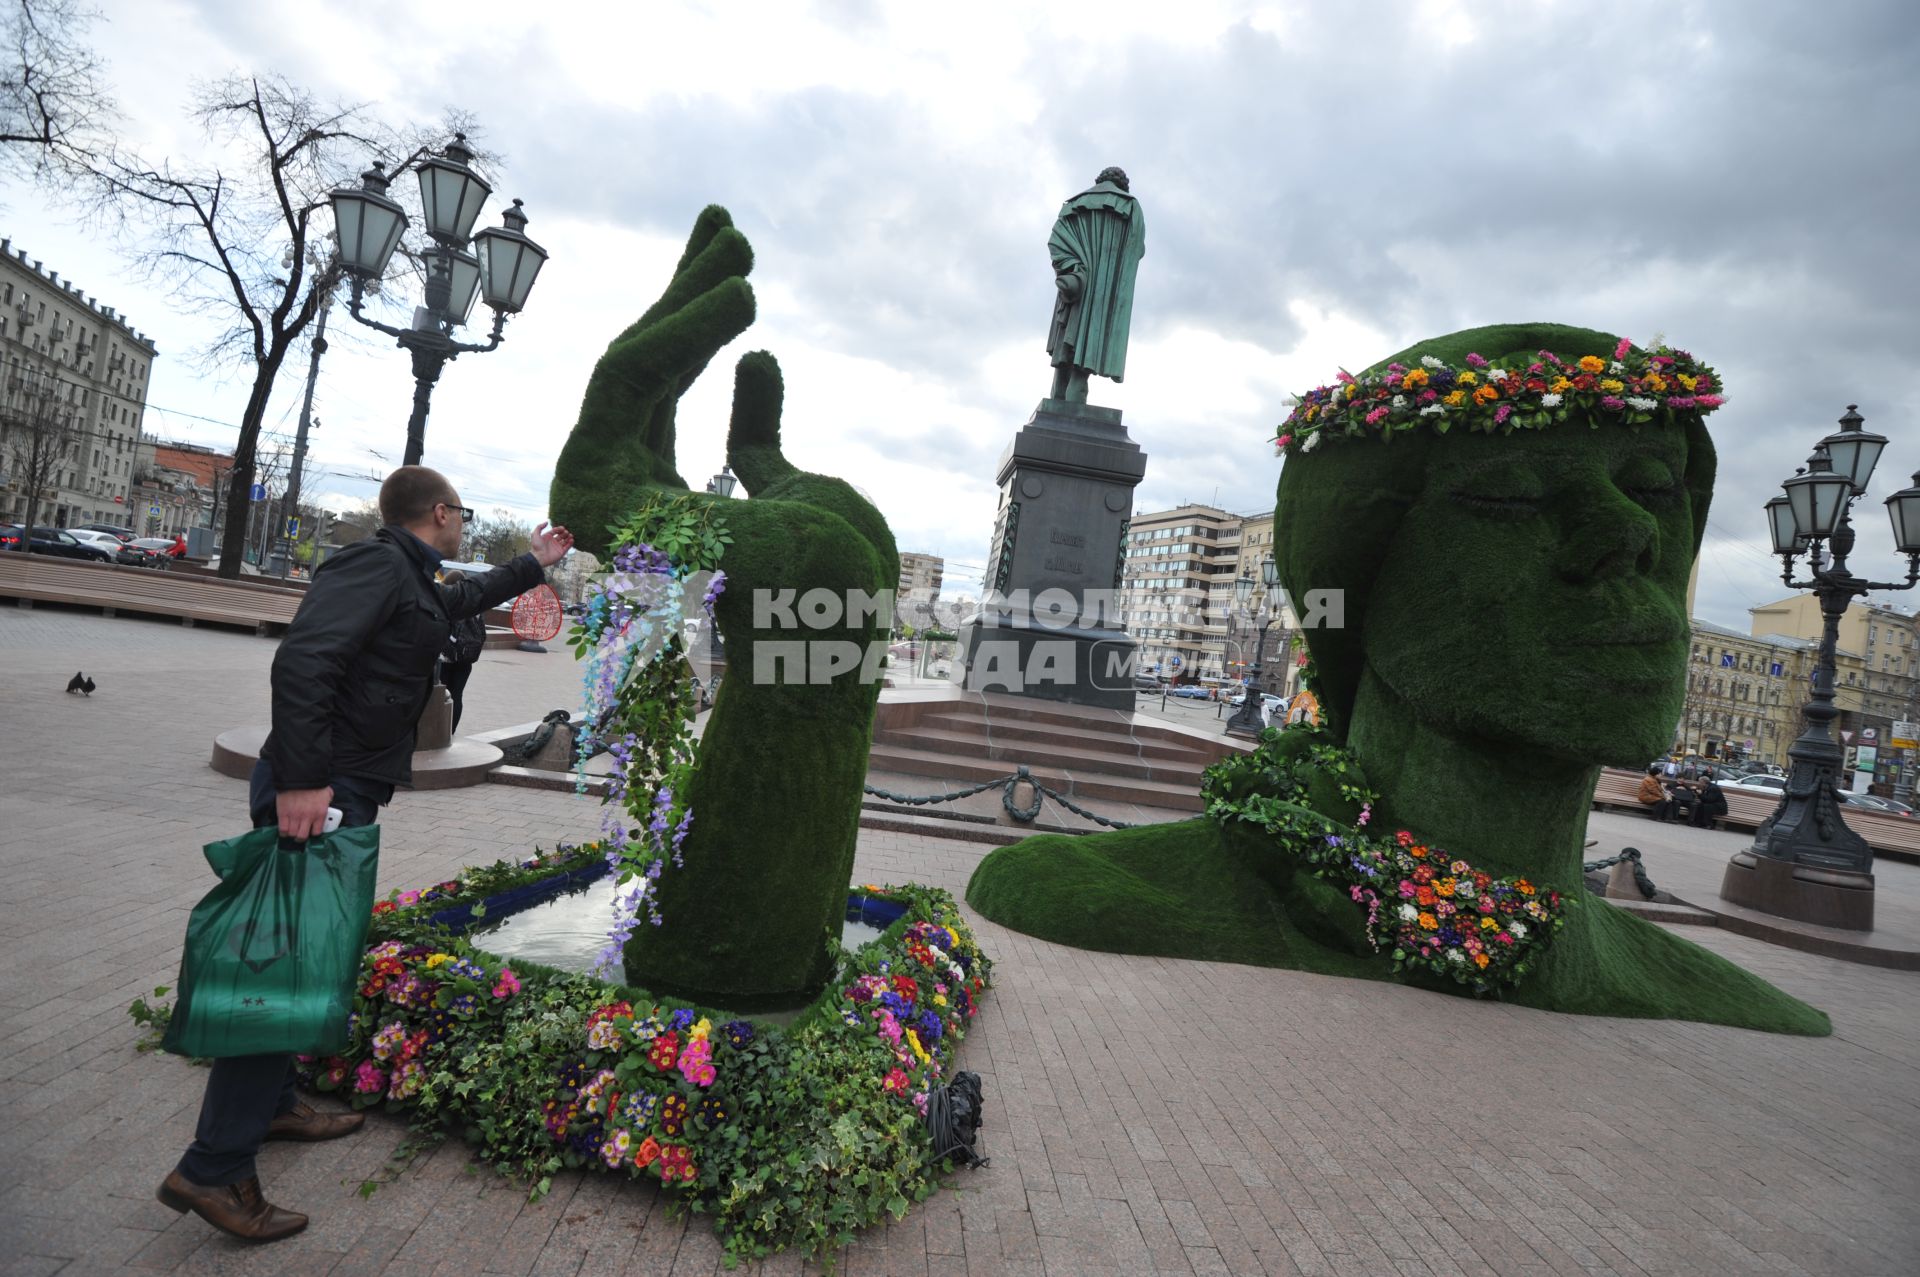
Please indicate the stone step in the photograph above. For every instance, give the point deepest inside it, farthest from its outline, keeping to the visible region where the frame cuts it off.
(1142, 742)
(900, 820)
(1101, 756)
(1083, 786)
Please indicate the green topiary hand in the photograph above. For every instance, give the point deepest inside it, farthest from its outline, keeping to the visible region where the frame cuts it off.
(777, 783)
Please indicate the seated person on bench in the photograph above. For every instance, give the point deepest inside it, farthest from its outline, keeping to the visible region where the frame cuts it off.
(1653, 794)
(1712, 803)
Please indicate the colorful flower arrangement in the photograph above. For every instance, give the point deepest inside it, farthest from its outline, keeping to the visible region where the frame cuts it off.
(1633, 387)
(1428, 910)
(654, 1087)
(481, 882)
(788, 1136)
(1436, 914)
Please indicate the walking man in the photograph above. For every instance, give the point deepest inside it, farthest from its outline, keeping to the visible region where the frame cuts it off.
(349, 681)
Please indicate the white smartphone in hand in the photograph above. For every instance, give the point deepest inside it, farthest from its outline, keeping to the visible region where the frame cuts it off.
(333, 820)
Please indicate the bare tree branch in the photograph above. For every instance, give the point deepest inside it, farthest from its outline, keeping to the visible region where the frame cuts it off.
(55, 113)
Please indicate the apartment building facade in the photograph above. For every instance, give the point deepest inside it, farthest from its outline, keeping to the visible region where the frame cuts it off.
(918, 592)
(73, 377)
(1878, 668)
(1178, 596)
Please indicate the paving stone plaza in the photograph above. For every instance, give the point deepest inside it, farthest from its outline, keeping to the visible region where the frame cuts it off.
(1143, 1115)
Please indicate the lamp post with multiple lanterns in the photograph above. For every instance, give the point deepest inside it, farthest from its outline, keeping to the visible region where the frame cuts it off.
(1246, 719)
(1805, 863)
(499, 264)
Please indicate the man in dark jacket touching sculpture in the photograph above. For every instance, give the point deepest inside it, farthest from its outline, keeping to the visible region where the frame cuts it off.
(349, 682)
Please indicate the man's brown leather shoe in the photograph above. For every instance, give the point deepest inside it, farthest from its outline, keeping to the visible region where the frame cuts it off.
(304, 1122)
(238, 1209)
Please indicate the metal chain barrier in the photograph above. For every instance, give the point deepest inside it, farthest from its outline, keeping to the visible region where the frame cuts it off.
(541, 735)
(1025, 815)
(1632, 854)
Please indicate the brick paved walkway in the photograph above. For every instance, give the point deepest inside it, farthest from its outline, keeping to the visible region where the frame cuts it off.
(1143, 1115)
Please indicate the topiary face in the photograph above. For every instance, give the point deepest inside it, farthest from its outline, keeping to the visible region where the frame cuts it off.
(1524, 589)
(1535, 592)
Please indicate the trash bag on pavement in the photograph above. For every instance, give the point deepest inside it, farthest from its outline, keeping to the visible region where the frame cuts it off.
(273, 952)
(953, 1119)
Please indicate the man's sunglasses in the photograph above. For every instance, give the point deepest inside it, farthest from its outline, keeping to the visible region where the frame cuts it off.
(466, 512)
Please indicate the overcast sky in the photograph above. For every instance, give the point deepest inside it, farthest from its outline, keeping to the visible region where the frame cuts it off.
(1323, 184)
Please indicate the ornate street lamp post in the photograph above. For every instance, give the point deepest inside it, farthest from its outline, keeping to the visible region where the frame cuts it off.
(500, 268)
(1805, 863)
(1246, 719)
(722, 484)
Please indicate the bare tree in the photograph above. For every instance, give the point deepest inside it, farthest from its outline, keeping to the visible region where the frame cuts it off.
(497, 537)
(242, 237)
(40, 434)
(355, 524)
(54, 113)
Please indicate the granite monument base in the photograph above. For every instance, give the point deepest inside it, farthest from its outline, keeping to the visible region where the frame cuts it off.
(1807, 893)
(1050, 626)
(1021, 656)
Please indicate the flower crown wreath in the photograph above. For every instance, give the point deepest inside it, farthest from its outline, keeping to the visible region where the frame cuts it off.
(1634, 387)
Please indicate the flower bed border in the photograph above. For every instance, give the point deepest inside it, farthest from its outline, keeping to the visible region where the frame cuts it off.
(794, 1136)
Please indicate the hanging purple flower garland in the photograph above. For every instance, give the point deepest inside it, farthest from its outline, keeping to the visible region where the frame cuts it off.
(642, 708)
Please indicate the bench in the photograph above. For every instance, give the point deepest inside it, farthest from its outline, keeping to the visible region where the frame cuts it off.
(1897, 836)
(261, 605)
(34, 578)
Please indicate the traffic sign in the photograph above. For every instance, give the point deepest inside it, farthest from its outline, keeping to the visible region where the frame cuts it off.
(1906, 735)
(153, 510)
(293, 526)
(1867, 733)
(258, 492)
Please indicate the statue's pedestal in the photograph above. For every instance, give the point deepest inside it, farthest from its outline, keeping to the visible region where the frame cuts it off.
(1050, 626)
(1806, 893)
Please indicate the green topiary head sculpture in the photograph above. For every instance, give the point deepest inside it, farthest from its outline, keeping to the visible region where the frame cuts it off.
(1511, 560)
(1522, 590)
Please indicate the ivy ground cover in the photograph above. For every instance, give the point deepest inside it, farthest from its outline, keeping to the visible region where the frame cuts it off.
(787, 1136)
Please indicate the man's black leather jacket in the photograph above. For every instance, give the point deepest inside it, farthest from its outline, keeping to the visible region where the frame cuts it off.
(356, 666)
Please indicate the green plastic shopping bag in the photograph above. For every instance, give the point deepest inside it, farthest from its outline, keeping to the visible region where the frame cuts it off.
(273, 952)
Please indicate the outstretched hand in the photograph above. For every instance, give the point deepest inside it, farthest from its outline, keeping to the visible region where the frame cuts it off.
(550, 545)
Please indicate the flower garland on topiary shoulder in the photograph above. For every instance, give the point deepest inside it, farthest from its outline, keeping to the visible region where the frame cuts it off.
(1633, 387)
(639, 699)
(1428, 910)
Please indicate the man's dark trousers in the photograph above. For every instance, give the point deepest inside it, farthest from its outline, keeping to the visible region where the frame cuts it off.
(246, 1092)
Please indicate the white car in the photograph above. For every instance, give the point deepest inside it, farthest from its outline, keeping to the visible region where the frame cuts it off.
(98, 540)
(1775, 785)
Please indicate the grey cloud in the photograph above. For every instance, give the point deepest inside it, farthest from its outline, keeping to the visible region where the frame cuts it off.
(1737, 175)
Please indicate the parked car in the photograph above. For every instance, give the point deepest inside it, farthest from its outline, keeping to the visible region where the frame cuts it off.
(1188, 691)
(1874, 802)
(115, 549)
(141, 556)
(1775, 785)
(54, 542)
(118, 533)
